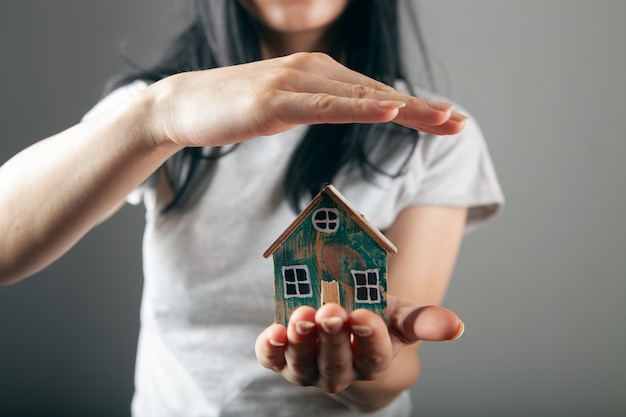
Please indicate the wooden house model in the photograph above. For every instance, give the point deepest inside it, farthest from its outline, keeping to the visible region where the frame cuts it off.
(330, 253)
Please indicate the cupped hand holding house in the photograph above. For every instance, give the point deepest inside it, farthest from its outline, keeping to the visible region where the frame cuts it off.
(335, 322)
(330, 348)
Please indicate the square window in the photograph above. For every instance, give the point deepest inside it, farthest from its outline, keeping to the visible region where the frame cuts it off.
(366, 286)
(296, 281)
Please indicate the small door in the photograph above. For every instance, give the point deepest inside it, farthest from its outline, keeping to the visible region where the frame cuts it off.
(330, 292)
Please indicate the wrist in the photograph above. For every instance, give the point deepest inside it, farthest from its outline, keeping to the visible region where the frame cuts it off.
(152, 109)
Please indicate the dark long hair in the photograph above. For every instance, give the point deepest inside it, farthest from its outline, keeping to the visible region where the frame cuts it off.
(224, 34)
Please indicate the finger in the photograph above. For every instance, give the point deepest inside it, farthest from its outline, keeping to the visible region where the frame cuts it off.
(429, 116)
(343, 88)
(357, 86)
(319, 108)
(334, 360)
(420, 112)
(335, 79)
(455, 124)
(328, 68)
(410, 323)
(301, 352)
(371, 346)
(270, 347)
(351, 84)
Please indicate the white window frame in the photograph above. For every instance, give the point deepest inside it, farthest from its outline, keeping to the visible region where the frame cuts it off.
(327, 221)
(367, 285)
(296, 282)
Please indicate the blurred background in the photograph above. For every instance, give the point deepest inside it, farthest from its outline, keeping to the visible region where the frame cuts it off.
(542, 288)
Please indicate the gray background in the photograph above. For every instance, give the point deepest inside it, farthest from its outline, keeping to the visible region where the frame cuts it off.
(542, 288)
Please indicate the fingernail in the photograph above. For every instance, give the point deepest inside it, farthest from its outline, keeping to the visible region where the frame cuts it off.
(440, 105)
(332, 325)
(304, 327)
(391, 104)
(276, 344)
(459, 332)
(362, 331)
(458, 117)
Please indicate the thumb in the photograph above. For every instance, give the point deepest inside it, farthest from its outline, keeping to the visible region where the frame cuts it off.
(411, 323)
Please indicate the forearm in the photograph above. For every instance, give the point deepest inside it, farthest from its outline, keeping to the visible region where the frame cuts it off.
(55, 191)
(366, 396)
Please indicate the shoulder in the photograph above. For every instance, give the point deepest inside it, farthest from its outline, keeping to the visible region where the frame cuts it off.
(455, 170)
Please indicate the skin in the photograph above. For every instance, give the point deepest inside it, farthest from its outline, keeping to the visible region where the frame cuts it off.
(83, 174)
(290, 26)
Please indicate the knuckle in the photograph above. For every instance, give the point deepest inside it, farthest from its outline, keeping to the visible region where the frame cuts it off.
(321, 101)
(270, 364)
(302, 370)
(299, 56)
(292, 59)
(274, 356)
(300, 59)
(322, 56)
(359, 91)
(276, 368)
(271, 82)
(334, 367)
(374, 362)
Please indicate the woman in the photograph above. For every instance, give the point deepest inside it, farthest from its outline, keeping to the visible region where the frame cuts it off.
(179, 137)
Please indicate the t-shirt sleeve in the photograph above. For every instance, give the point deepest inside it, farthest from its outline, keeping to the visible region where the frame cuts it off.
(110, 101)
(455, 170)
(115, 98)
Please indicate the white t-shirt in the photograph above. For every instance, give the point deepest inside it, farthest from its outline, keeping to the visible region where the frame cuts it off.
(208, 292)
